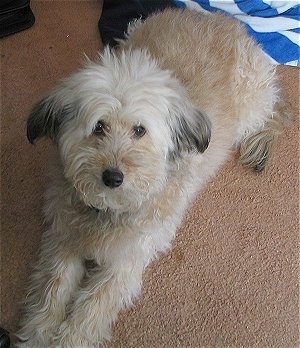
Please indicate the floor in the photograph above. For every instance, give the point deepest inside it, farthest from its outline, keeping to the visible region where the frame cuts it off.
(231, 279)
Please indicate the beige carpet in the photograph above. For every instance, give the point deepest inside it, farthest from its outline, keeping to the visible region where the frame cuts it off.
(231, 279)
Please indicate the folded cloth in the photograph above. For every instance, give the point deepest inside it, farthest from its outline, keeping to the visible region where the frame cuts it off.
(273, 24)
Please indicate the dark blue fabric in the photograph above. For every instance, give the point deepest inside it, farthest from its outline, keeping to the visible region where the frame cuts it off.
(117, 14)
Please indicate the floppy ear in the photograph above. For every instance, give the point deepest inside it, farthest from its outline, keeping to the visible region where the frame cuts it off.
(191, 134)
(46, 117)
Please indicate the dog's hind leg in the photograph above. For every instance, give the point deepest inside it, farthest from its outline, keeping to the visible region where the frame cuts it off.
(256, 149)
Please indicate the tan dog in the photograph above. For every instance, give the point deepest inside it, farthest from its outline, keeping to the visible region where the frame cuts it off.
(139, 133)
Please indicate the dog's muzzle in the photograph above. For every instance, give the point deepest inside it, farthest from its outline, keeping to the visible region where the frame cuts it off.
(112, 178)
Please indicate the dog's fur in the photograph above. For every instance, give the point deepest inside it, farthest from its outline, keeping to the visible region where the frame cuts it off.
(200, 87)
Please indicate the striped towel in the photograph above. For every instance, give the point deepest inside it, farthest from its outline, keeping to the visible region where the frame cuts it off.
(273, 24)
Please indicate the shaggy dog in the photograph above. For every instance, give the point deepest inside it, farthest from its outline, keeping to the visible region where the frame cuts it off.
(139, 132)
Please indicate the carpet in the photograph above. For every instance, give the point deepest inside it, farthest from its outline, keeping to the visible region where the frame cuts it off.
(231, 278)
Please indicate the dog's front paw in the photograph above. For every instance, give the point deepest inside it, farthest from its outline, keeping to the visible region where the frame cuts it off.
(77, 336)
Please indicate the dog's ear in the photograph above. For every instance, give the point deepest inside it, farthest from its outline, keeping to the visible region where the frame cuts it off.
(191, 134)
(46, 116)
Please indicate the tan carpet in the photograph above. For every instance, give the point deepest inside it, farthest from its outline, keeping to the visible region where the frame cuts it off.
(231, 279)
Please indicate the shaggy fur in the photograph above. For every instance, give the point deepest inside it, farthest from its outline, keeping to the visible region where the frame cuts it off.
(139, 132)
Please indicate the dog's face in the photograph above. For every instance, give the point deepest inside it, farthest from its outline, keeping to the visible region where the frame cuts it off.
(119, 124)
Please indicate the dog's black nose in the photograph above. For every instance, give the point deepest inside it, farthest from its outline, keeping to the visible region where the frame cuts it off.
(112, 178)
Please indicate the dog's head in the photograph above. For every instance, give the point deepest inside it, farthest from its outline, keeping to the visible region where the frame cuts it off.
(119, 124)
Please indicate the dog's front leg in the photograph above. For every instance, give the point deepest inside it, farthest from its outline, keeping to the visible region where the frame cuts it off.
(54, 280)
(97, 305)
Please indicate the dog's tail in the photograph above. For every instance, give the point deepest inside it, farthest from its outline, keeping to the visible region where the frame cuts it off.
(256, 149)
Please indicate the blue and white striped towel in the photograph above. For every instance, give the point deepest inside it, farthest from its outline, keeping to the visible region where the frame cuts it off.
(273, 24)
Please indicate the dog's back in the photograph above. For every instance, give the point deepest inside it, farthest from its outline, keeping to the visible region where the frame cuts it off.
(225, 72)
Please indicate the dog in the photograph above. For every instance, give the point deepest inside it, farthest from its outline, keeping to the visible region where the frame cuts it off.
(139, 133)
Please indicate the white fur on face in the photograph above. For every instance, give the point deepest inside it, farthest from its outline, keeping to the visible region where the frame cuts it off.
(123, 92)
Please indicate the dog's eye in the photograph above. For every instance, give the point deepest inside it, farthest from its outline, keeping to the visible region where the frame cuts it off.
(99, 128)
(139, 131)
